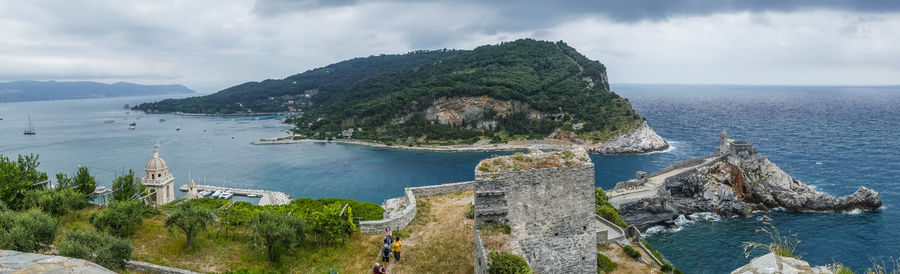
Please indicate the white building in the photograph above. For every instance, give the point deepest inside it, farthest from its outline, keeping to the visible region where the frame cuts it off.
(159, 179)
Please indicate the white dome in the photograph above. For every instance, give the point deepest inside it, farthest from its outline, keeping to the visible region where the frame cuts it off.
(156, 163)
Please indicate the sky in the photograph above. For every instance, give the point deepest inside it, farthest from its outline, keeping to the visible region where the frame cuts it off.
(209, 45)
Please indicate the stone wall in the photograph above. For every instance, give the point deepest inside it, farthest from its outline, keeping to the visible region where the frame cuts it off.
(603, 236)
(550, 211)
(679, 164)
(403, 219)
(482, 259)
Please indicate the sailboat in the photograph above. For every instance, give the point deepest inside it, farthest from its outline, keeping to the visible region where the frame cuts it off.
(30, 129)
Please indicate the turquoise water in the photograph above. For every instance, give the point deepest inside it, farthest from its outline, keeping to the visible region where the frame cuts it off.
(834, 138)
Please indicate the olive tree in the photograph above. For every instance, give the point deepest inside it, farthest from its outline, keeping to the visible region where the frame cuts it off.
(127, 187)
(190, 219)
(276, 233)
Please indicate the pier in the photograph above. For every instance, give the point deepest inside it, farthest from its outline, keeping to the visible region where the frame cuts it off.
(266, 197)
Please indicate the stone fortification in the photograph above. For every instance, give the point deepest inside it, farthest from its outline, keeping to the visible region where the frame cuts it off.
(550, 208)
(397, 221)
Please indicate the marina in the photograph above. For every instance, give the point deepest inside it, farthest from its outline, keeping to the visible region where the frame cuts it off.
(266, 197)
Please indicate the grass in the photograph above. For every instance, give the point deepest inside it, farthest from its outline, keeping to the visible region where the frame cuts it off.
(442, 239)
(780, 245)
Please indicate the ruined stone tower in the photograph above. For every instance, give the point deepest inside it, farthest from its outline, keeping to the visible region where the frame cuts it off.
(548, 201)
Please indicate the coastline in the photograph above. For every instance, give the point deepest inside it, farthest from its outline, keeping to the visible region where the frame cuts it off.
(448, 148)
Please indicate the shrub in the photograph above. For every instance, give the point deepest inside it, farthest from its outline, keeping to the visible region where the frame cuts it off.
(600, 196)
(120, 219)
(26, 231)
(666, 268)
(56, 202)
(505, 263)
(631, 251)
(604, 264)
(470, 213)
(780, 245)
(652, 251)
(610, 213)
(839, 268)
(103, 249)
(568, 154)
(495, 227)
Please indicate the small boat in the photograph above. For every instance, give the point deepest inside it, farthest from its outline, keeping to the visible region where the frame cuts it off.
(109, 121)
(252, 195)
(130, 127)
(162, 120)
(216, 194)
(30, 129)
(204, 193)
(132, 124)
(177, 128)
(226, 195)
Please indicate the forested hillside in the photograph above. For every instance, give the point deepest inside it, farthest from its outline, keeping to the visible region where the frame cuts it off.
(560, 89)
(513, 90)
(300, 91)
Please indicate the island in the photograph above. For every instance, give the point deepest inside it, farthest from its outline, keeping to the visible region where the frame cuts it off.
(513, 95)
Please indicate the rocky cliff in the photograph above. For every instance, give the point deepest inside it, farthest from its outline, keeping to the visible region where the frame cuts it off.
(771, 263)
(640, 140)
(737, 185)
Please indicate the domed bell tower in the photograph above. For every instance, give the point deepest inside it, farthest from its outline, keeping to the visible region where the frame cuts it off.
(159, 179)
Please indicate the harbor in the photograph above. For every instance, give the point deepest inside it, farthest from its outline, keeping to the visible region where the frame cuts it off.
(266, 197)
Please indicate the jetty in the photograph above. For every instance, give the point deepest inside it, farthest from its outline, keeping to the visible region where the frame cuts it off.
(266, 197)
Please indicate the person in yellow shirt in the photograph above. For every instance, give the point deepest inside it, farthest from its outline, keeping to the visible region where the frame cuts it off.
(395, 247)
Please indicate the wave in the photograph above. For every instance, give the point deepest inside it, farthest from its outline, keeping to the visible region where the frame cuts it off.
(671, 148)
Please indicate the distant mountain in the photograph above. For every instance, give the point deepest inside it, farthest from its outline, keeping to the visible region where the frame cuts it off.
(52, 90)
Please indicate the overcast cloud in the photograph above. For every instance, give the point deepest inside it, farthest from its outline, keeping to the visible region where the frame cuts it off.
(213, 44)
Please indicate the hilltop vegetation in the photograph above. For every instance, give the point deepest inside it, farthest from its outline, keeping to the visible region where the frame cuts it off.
(513, 90)
(304, 90)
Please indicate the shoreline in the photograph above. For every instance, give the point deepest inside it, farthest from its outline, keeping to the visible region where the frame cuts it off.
(449, 148)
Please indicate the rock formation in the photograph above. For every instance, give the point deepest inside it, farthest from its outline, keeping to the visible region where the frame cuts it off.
(640, 140)
(771, 263)
(737, 185)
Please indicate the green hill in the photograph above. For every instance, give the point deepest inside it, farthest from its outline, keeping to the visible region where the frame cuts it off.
(521, 89)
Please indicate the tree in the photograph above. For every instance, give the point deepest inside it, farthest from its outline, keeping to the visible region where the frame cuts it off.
(190, 219)
(276, 233)
(120, 219)
(63, 180)
(17, 177)
(103, 249)
(127, 187)
(84, 183)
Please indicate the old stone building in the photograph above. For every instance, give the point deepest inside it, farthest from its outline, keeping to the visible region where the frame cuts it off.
(732, 147)
(549, 207)
(159, 180)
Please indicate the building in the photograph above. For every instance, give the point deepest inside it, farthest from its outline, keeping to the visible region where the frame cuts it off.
(732, 147)
(192, 190)
(159, 180)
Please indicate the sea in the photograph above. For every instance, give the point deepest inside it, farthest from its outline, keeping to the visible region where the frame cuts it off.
(832, 138)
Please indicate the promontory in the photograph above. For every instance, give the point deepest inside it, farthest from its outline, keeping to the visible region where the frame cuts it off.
(513, 94)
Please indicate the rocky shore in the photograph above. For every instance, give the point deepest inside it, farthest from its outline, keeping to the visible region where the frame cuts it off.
(738, 185)
(641, 140)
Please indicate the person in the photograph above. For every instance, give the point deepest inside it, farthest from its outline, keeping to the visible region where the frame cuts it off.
(388, 235)
(396, 249)
(386, 252)
(379, 269)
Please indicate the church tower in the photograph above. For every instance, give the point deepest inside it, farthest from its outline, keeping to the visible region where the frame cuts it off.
(723, 143)
(159, 179)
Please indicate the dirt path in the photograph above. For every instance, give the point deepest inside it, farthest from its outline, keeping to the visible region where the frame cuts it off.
(441, 238)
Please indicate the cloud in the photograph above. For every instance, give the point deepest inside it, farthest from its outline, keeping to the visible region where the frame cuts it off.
(213, 44)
